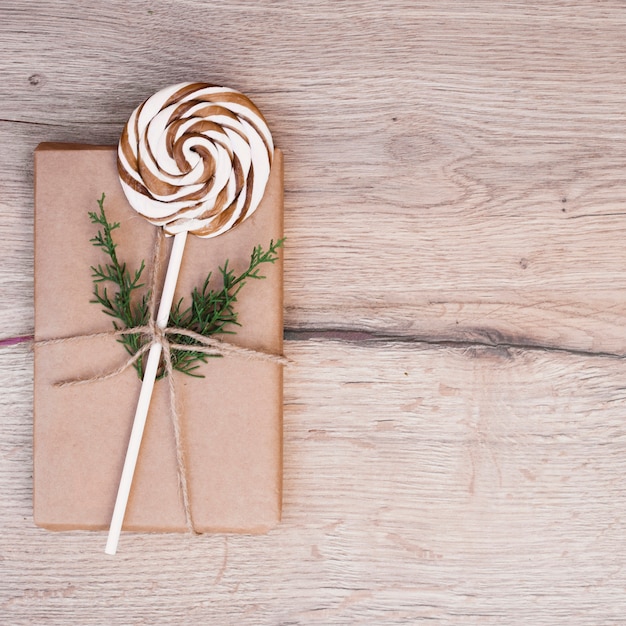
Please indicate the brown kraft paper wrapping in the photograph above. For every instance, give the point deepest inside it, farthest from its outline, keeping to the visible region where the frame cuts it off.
(231, 420)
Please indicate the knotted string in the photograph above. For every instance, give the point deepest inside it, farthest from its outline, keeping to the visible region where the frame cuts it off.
(206, 345)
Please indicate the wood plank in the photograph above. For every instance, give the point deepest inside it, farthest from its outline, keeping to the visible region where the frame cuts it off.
(452, 170)
(460, 485)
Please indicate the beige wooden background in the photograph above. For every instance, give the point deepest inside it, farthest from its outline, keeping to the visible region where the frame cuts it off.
(455, 422)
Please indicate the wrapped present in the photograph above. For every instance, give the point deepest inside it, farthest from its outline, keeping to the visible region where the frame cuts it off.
(230, 420)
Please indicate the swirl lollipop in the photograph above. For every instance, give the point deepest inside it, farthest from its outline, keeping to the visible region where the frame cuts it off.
(193, 158)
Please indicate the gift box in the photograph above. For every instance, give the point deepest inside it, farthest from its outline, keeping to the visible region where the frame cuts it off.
(230, 420)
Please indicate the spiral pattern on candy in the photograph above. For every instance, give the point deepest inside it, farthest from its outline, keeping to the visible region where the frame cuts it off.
(195, 157)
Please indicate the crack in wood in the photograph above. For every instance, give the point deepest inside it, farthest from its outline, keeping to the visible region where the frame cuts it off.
(56, 124)
(373, 338)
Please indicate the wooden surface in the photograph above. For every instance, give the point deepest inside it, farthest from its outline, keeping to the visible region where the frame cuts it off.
(455, 436)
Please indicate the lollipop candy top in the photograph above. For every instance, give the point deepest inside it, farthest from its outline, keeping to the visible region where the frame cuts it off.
(195, 157)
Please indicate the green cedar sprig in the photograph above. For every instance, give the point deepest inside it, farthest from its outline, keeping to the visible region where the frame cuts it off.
(210, 312)
(120, 304)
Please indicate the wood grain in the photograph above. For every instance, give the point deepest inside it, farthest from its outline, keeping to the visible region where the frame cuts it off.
(460, 485)
(455, 303)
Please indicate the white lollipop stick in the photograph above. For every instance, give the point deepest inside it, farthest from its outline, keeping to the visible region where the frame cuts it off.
(145, 395)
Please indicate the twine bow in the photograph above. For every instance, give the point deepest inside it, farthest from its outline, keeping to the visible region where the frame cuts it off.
(207, 345)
